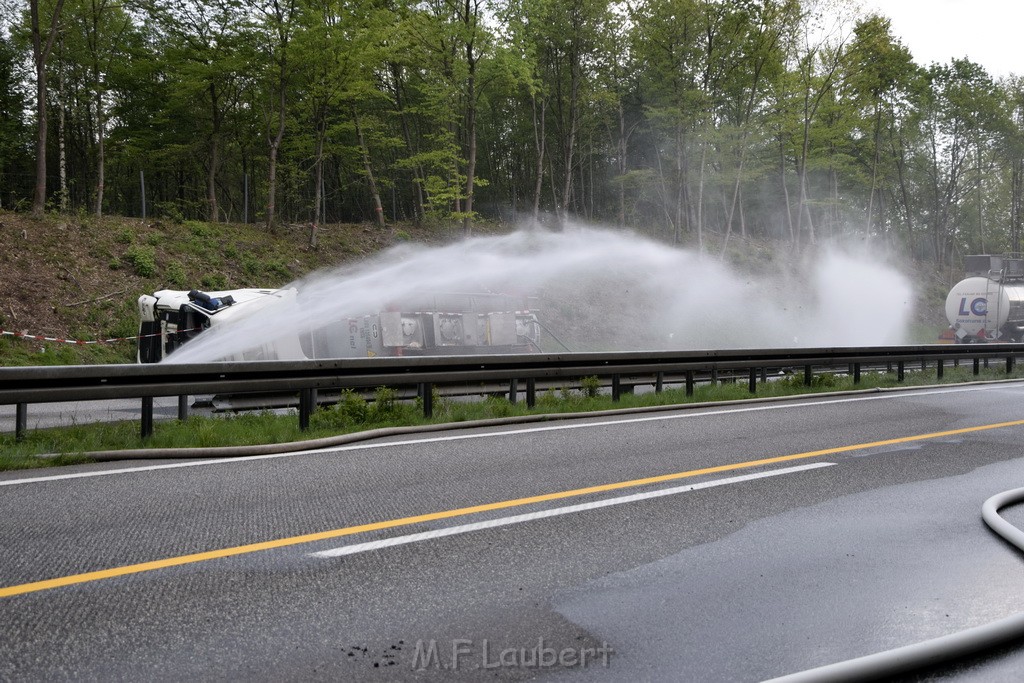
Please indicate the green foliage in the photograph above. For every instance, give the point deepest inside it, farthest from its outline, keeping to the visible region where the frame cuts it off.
(353, 413)
(175, 275)
(214, 281)
(199, 229)
(142, 259)
(384, 404)
(124, 236)
(350, 411)
(169, 210)
(591, 386)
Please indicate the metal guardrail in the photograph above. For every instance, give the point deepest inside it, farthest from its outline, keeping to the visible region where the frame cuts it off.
(26, 385)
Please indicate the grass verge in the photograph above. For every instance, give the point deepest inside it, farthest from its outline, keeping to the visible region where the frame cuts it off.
(66, 445)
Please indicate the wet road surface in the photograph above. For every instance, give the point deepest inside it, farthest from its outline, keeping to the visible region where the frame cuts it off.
(731, 544)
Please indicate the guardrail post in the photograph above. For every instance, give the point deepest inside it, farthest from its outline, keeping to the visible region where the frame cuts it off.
(764, 374)
(659, 382)
(531, 392)
(856, 373)
(714, 376)
(183, 407)
(753, 381)
(305, 408)
(20, 421)
(986, 363)
(924, 365)
(977, 366)
(1009, 364)
(147, 417)
(616, 388)
(940, 368)
(900, 371)
(689, 382)
(808, 375)
(427, 394)
(513, 391)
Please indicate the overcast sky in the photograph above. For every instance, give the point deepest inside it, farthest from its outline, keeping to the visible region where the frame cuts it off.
(989, 32)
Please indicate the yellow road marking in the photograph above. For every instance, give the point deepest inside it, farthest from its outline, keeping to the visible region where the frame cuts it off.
(460, 512)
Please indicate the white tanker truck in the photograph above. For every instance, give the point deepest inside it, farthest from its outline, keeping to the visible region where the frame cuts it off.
(988, 305)
(437, 324)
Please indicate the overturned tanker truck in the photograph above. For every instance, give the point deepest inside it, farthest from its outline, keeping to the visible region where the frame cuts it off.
(988, 305)
(436, 324)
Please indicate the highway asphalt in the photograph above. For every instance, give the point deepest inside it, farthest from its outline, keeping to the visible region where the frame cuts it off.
(755, 541)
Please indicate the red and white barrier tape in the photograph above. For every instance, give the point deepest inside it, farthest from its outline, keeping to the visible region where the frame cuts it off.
(80, 342)
(38, 337)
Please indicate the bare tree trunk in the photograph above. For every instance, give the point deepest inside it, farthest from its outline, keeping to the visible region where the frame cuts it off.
(467, 220)
(40, 53)
(785, 190)
(680, 182)
(417, 173)
(570, 147)
(62, 139)
(211, 174)
(539, 142)
(700, 197)
(100, 149)
(378, 209)
(275, 145)
(622, 165)
(673, 226)
(318, 181)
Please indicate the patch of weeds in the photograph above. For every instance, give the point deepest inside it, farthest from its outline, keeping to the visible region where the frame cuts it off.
(384, 405)
(215, 281)
(175, 275)
(251, 265)
(498, 406)
(591, 386)
(124, 236)
(278, 268)
(170, 211)
(350, 411)
(142, 259)
(198, 229)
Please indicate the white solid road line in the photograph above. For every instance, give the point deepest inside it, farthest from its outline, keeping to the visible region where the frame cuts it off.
(555, 512)
(688, 414)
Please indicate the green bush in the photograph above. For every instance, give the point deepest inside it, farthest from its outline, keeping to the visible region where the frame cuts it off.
(384, 405)
(170, 211)
(143, 259)
(198, 228)
(591, 386)
(124, 236)
(176, 275)
(350, 411)
(278, 268)
(214, 281)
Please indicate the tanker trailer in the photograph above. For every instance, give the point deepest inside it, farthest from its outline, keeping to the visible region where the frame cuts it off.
(434, 324)
(988, 305)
